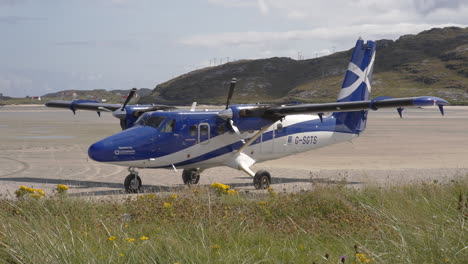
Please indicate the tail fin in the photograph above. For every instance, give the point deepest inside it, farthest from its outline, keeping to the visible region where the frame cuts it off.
(356, 87)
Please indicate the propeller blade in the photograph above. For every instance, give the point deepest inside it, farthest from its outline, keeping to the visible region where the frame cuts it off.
(129, 97)
(231, 91)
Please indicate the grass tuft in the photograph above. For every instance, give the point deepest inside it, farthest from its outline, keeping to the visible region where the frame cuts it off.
(331, 224)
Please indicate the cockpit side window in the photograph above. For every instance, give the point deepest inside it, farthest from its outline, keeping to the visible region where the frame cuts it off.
(141, 120)
(279, 127)
(170, 126)
(147, 120)
(155, 121)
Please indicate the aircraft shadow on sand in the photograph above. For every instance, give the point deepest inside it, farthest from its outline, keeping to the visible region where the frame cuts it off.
(82, 184)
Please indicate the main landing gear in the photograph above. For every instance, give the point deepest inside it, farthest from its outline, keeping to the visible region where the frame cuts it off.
(262, 180)
(191, 176)
(132, 182)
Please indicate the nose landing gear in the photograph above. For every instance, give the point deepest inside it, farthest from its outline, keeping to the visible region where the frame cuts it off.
(132, 182)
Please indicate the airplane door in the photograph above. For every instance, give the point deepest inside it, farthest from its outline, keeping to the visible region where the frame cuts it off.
(203, 133)
(167, 137)
(280, 138)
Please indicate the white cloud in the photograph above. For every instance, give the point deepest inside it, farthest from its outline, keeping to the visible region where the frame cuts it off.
(263, 7)
(255, 38)
(347, 10)
(234, 3)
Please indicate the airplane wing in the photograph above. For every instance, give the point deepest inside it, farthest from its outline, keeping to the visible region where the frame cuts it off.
(83, 105)
(277, 112)
(101, 107)
(127, 114)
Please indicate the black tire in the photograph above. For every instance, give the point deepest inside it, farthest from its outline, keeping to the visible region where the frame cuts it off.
(190, 176)
(132, 183)
(262, 179)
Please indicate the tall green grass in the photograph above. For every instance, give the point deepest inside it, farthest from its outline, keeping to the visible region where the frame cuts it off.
(409, 224)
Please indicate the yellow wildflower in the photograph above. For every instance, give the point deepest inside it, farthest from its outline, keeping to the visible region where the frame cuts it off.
(166, 205)
(215, 246)
(36, 195)
(271, 192)
(150, 196)
(262, 203)
(61, 188)
(144, 238)
(33, 193)
(126, 226)
(220, 186)
(174, 196)
(362, 258)
(112, 238)
(122, 254)
(130, 239)
(232, 192)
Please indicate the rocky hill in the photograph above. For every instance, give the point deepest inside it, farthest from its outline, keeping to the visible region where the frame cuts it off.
(114, 96)
(433, 62)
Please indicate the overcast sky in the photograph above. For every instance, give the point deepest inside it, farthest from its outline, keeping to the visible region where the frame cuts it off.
(52, 45)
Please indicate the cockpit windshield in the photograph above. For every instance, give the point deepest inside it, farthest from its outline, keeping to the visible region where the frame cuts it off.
(148, 120)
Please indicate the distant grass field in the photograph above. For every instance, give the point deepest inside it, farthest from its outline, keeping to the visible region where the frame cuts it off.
(331, 224)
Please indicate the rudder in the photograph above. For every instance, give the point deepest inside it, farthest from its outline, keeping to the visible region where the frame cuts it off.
(356, 87)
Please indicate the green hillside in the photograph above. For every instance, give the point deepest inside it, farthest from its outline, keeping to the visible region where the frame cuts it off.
(114, 96)
(433, 62)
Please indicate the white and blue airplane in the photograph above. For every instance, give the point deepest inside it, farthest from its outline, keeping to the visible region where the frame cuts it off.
(158, 136)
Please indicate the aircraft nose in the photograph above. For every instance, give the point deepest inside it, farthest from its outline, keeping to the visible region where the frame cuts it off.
(101, 151)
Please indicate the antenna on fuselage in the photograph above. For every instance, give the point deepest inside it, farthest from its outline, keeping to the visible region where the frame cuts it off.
(194, 106)
(231, 91)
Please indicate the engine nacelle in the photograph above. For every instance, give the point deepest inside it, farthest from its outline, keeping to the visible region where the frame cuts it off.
(243, 118)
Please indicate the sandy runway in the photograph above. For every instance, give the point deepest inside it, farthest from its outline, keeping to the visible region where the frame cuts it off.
(42, 147)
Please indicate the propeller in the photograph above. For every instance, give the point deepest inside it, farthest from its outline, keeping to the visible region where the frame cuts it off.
(129, 97)
(231, 91)
(121, 113)
(226, 114)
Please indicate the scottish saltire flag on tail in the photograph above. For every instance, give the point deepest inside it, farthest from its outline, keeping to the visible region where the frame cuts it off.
(357, 87)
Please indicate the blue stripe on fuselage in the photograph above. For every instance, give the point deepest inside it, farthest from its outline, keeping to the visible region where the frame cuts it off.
(329, 125)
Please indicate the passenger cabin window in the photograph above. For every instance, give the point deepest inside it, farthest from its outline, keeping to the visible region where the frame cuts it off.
(193, 130)
(279, 127)
(221, 129)
(169, 127)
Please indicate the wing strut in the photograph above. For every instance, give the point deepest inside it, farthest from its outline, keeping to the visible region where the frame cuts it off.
(252, 139)
(242, 161)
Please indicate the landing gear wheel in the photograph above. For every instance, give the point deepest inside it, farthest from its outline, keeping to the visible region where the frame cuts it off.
(132, 183)
(191, 176)
(262, 179)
